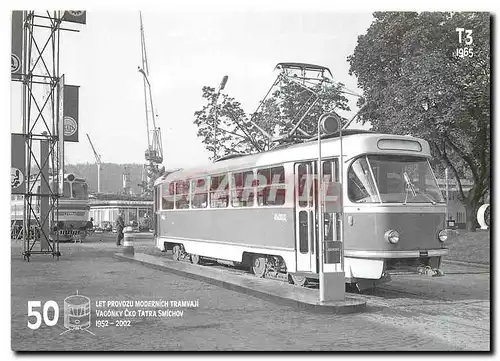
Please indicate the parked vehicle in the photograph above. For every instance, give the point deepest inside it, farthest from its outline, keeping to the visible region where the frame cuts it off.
(261, 210)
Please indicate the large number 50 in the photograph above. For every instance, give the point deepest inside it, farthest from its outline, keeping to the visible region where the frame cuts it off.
(38, 316)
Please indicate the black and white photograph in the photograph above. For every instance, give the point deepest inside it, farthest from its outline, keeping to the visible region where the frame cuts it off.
(253, 177)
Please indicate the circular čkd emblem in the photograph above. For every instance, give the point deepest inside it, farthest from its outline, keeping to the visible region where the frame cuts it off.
(70, 126)
(16, 177)
(75, 12)
(15, 63)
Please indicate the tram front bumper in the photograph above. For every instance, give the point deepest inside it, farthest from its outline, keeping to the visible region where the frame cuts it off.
(373, 264)
(396, 254)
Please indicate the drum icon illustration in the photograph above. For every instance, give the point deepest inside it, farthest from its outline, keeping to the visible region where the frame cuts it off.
(77, 312)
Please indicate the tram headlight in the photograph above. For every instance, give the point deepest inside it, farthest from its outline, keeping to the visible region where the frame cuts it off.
(443, 235)
(392, 236)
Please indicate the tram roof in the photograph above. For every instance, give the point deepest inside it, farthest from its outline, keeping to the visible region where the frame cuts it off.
(353, 144)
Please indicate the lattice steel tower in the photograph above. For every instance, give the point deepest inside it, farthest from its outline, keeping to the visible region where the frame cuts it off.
(35, 64)
(154, 152)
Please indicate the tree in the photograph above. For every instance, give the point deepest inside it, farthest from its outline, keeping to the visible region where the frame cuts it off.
(230, 138)
(416, 82)
(276, 115)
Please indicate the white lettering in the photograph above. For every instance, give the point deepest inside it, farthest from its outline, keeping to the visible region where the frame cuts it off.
(129, 313)
(468, 37)
(147, 313)
(108, 313)
(170, 313)
(159, 303)
(460, 31)
(280, 217)
(186, 304)
(120, 304)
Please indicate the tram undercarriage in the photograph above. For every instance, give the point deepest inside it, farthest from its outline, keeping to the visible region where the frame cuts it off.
(274, 267)
(261, 265)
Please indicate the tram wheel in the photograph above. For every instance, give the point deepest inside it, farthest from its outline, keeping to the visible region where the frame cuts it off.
(259, 266)
(176, 251)
(299, 280)
(195, 259)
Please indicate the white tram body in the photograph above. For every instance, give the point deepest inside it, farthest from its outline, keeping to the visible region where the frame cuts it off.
(72, 213)
(393, 210)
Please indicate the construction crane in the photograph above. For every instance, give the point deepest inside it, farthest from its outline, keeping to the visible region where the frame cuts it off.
(154, 152)
(98, 162)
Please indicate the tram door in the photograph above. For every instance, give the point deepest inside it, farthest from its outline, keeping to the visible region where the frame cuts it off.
(305, 217)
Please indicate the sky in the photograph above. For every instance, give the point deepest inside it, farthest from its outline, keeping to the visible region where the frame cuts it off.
(186, 51)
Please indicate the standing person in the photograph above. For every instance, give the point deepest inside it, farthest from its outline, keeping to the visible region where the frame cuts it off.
(120, 224)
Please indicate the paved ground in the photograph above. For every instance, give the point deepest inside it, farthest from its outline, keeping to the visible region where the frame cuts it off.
(410, 313)
(471, 246)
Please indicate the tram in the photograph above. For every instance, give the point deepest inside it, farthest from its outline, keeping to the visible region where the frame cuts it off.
(261, 210)
(72, 213)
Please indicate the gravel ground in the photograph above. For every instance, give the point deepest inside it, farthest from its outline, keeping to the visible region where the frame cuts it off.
(410, 312)
(470, 247)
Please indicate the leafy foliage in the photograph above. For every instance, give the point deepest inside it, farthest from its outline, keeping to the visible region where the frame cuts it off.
(217, 113)
(277, 115)
(414, 83)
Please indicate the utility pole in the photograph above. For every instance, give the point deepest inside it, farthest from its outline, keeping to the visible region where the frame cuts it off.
(221, 87)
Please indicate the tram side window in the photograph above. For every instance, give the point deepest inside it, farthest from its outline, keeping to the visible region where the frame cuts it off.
(219, 191)
(271, 189)
(331, 170)
(305, 186)
(303, 226)
(167, 201)
(182, 194)
(200, 193)
(66, 191)
(242, 189)
(330, 176)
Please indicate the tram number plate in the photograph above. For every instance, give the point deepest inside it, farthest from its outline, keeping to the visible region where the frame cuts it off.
(424, 254)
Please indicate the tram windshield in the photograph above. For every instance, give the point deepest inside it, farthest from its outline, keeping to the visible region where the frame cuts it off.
(392, 179)
(80, 191)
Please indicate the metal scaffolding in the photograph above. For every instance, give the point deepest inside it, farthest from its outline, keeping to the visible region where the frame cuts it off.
(42, 115)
